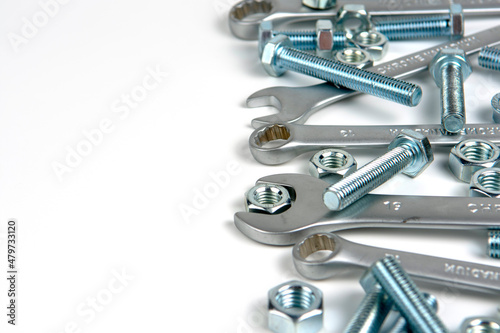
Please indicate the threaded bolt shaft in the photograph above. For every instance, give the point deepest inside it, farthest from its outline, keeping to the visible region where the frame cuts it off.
(285, 57)
(401, 326)
(494, 243)
(452, 98)
(407, 297)
(414, 27)
(358, 184)
(489, 57)
(371, 313)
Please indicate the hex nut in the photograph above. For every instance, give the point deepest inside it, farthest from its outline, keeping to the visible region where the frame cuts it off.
(456, 21)
(324, 38)
(485, 183)
(265, 34)
(268, 199)
(348, 14)
(495, 103)
(331, 165)
(480, 324)
(373, 42)
(418, 143)
(319, 4)
(295, 307)
(268, 58)
(469, 156)
(354, 57)
(445, 57)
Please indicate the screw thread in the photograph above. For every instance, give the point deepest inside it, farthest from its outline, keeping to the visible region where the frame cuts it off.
(401, 326)
(452, 98)
(306, 40)
(494, 244)
(371, 313)
(370, 176)
(407, 297)
(414, 27)
(350, 77)
(489, 57)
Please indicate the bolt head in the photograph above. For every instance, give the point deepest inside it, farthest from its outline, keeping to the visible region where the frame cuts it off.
(265, 34)
(418, 143)
(324, 38)
(456, 21)
(447, 56)
(268, 58)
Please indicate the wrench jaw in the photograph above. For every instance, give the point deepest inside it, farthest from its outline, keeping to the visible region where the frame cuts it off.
(246, 16)
(272, 144)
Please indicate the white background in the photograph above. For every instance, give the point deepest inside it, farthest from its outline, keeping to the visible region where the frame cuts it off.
(117, 210)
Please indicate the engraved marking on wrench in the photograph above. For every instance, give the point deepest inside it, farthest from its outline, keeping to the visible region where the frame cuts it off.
(471, 271)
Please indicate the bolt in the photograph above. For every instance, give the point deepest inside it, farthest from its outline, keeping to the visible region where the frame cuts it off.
(401, 326)
(278, 56)
(450, 69)
(418, 27)
(489, 57)
(371, 313)
(495, 103)
(410, 152)
(494, 243)
(408, 299)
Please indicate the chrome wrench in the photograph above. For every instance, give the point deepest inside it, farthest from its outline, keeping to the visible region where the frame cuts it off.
(279, 143)
(246, 16)
(345, 255)
(296, 104)
(308, 214)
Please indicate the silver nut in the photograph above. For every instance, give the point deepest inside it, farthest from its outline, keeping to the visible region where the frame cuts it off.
(331, 165)
(324, 38)
(373, 42)
(268, 58)
(469, 156)
(485, 183)
(446, 56)
(480, 324)
(495, 103)
(265, 34)
(354, 57)
(456, 21)
(420, 144)
(319, 4)
(353, 19)
(295, 307)
(268, 199)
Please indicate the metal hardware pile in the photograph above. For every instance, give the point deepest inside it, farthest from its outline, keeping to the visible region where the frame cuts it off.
(341, 46)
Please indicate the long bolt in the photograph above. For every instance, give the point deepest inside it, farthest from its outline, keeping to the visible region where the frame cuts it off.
(401, 326)
(407, 298)
(450, 69)
(371, 313)
(410, 152)
(489, 57)
(279, 56)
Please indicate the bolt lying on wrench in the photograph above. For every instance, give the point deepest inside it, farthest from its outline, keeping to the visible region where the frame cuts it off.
(279, 143)
(307, 214)
(344, 255)
(246, 16)
(296, 104)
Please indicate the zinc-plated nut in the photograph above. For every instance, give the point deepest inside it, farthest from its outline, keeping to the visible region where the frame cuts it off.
(324, 38)
(486, 183)
(346, 16)
(480, 324)
(332, 164)
(495, 103)
(268, 199)
(354, 57)
(373, 42)
(469, 156)
(319, 4)
(456, 21)
(295, 307)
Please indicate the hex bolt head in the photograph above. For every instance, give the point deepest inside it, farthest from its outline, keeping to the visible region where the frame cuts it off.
(445, 57)
(324, 38)
(422, 148)
(456, 21)
(269, 55)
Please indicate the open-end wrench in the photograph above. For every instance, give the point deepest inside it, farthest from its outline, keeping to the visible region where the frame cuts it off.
(246, 16)
(279, 143)
(344, 255)
(296, 104)
(307, 213)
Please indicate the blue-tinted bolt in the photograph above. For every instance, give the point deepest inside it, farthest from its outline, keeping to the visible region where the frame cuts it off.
(279, 56)
(450, 69)
(410, 152)
(489, 57)
(494, 243)
(401, 326)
